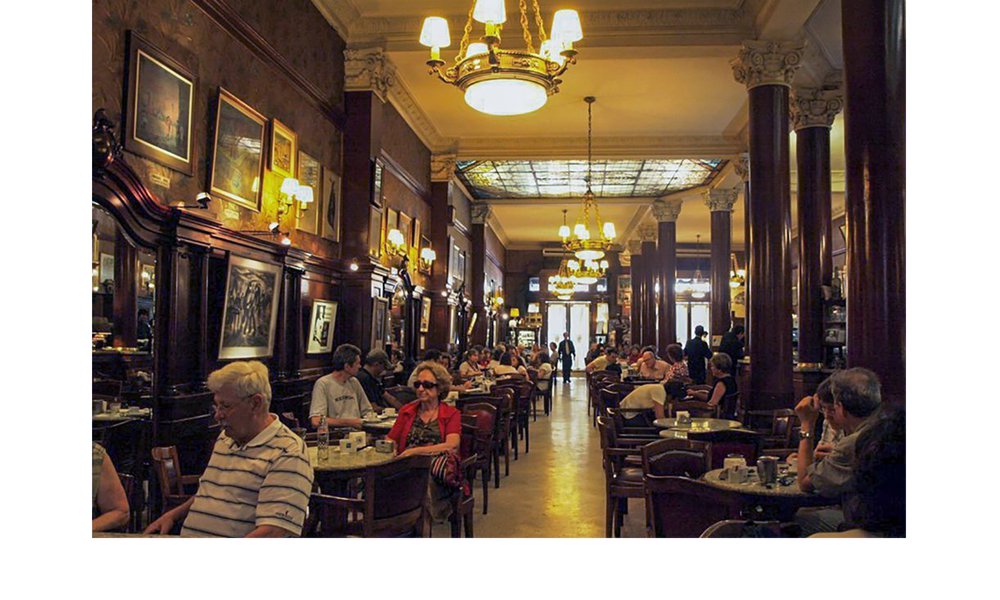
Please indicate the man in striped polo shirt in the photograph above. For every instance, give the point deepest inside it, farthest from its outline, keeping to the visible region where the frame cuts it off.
(258, 480)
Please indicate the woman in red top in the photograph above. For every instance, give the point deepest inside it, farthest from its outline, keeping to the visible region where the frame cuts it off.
(425, 426)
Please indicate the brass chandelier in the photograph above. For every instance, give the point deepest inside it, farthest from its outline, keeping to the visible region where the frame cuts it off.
(497, 81)
(591, 238)
(563, 283)
(589, 271)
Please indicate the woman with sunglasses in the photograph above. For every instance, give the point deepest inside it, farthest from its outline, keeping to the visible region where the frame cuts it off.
(426, 426)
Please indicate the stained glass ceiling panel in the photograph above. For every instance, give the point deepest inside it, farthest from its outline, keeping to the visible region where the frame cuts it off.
(567, 178)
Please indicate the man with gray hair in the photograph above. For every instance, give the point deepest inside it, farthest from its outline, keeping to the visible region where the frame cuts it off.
(856, 397)
(370, 377)
(258, 480)
(339, 397)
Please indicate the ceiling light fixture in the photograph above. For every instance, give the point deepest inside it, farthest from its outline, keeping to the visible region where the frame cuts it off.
(592, 237)
(503, 82)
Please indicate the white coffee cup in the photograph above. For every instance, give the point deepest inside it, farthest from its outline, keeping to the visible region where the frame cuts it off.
(389, 412)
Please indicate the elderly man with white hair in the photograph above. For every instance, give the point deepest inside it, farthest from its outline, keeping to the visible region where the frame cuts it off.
(258, 480)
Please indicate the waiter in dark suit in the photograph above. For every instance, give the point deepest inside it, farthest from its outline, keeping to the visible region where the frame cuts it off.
(697, 352)
(567, 352)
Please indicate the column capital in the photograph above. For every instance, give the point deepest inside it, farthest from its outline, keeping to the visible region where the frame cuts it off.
(667, 210)
(480, 213)
(815, 107)
(763, 62)
(442, 167)
(741, 164)
(368, 69)
(647, 233)
(634, 247)
(721, 199)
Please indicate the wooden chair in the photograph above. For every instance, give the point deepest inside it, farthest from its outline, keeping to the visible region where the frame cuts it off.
(134, 494)
(525, 391)
(683, 507)
(392, 503)
(737, 529)
(167, 465)
(647, 434)
(462, 506)
(621, 480)
(695, 408)
(507, 414)
(485, 446)
(679, 458)
(404, 394)
(504, 404)
(744, 442)
(777, 426)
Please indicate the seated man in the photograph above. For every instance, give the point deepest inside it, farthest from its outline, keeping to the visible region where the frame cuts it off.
(651, 367)
(258, 480)
(370, 377)
(857, 396)
(339, 397)
(644, 397)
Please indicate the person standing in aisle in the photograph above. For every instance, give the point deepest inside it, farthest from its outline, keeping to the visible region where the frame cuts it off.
(697, 352)
(567, 352)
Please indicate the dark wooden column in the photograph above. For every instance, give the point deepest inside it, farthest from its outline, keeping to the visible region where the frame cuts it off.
(666, 212)
(636, 270)
(767, 68)
(813, 111)
(742, 167)
(720, 202)
(362, 139)
(874, 37)
(477, 237)
(442, 169)
(123, 300)
(649, 269)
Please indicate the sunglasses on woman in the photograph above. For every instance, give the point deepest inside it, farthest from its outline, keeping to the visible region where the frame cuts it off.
(427, 385)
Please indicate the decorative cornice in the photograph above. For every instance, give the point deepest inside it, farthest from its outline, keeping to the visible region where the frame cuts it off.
(763, 62)
(721, 199)
(815, 107)
(401, 98)
(616, 147)
(368, 69)
(480, 213)
(442, 167)
(635, 247)
(741, 164)
(667, 210)
(647, 233)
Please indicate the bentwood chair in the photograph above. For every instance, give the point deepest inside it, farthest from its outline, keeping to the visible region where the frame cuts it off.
(679, 458)
(485, 446)
(683, 507)
(621, 480)
(173, 483)
(463, 506)
(744, 442)
(392, 504)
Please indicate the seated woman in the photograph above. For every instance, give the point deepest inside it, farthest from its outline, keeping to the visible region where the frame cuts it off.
(470, 366)
(506, 366)
(724, 390)
(544, 366)
(110, 505)
(426, 426)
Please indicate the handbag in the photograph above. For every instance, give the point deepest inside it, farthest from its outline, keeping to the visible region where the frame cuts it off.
(446, 471)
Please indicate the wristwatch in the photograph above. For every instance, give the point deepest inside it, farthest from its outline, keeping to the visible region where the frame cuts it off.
(805, 434)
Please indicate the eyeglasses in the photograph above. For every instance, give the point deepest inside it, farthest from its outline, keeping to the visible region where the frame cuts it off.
(427, 385)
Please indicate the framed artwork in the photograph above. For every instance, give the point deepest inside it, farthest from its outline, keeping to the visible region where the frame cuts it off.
(375, 232)
(406, 227)
(237, 153)
(377, 183)
(624, 289)
(160, 94)
(417, 242)
(309, 173)
(251, 309)
(391, 219)
(321, 324)
(284, 147)
(424, 268)
(425, 314)
(380, 317)
(330, 222)
(107, 268)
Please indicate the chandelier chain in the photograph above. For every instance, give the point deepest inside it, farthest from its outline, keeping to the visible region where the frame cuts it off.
(465, 36)
(538, 21)
(590, 143)
(525, 28)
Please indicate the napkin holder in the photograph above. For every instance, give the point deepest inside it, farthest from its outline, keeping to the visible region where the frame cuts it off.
(358, 439)
(386, 446)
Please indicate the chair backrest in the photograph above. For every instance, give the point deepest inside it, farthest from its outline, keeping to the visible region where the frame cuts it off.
(739, 529)
(696, 409)
(486, 423)
(681, 458)
(682, 507)
(394, 494)
(783, 425)
(289, 419)
(402, 393)
(744, 442)
(167, 465)
(467, 445)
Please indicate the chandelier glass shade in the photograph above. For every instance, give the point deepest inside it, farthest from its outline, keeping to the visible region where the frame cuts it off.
(498, 81)
(563, 283)
(591, 238)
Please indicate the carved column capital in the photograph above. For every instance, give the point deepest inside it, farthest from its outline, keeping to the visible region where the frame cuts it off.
(634, 247)
(762, 62)
(667, 210)
(721, 199)
(368, 69)
(647, 233)
(480, 213)
(815, 107)
(442, 166)
(741, 164)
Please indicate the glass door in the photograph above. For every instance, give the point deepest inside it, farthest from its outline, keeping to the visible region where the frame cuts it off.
(579, 332)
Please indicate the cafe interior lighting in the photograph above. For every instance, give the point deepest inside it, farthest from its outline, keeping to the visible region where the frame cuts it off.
(427, 257)
(500, 81)
(395, 242)
(593, 238)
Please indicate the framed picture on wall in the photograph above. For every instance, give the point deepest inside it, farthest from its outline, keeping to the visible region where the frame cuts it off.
(310, 173)
(417, 234)
(237, 156)
(251, 309)
(377, 183)
(107, 268)
(380, 319)
(284, 147)
(406, 227)
(160, 95)
(391, 219)
(425, 314)
(375, 232)
(330, 206)
(321, 324)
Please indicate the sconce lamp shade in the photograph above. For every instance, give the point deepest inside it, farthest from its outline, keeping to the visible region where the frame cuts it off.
(477, 48)
(435, 33)
(395, 237)
(305, 193)
(515, 312)
(290, 186)
(428, 254)
(566, 26)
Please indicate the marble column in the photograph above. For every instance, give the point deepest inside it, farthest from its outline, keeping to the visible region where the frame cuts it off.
(649, 268)
(666, 212)
(442, 170)
(477, 236)
(874, 37)
(767, 68)
(636, 269)
(720, 203)
(813, 111)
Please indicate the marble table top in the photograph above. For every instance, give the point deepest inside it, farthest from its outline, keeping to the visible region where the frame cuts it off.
(754, 487)
(383, 424)
(345, 461)
(699, 424)
(124, 415)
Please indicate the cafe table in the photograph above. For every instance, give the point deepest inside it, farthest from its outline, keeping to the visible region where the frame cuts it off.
(775, 501)
(380, 427)
(123, 415)
(672, 429)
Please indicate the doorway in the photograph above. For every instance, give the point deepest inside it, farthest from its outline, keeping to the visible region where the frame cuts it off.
(573, 317)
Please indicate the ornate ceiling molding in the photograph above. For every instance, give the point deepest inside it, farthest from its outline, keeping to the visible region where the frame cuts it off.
(417, 119)
(368, 69)
(721, 199)
(442, 167)
(481, 212)
(635, 247)
(617, 147)
(647, 233)
(765, 62)
(741, 164)
(815, 107)
(666, 210)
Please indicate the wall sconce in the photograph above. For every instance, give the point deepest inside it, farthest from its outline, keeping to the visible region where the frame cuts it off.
(427, 258)
(515, 313)
(292, 190)
(354, 265)
(395, 243)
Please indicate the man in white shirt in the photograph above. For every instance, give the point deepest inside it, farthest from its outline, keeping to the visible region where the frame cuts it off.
(644, 397)
(339, 397)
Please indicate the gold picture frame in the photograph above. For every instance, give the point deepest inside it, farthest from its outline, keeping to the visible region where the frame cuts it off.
(284, 148)
(310, 173)
(237, 151)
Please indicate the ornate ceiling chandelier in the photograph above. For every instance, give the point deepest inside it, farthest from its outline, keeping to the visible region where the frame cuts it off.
(563, 283)
(697, 286)
(591, 239)
(497, 81)
(590, 271)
